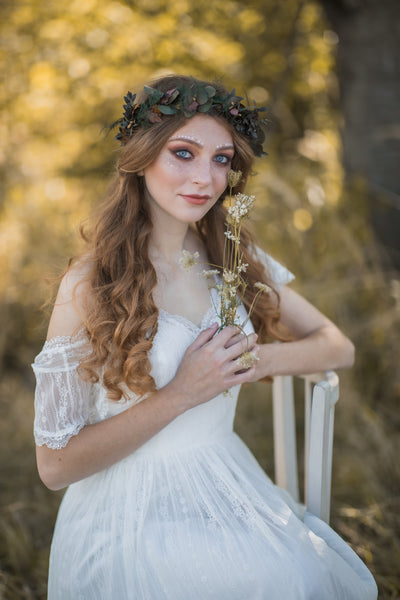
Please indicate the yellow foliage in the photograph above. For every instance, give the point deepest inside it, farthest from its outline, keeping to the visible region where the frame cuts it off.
(250, 22)
(302, 219)
(274, 62)
(116, 12)
(57, 29)
(259, 94)
(41, 75)
(82, 7)
(165, 23)
(23, 15)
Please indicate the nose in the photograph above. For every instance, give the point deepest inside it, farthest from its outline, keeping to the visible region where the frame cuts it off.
(202, 172)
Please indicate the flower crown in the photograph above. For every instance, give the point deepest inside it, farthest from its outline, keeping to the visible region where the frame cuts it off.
(190, 100)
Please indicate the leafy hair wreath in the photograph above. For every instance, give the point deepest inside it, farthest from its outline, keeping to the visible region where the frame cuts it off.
(189, 100)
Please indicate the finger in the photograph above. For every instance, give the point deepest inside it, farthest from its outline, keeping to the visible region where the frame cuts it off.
(225, 335)
(242, 376)
(204, 337)
(234, 339)
(242, 344)
(243, 361)
(252, 341)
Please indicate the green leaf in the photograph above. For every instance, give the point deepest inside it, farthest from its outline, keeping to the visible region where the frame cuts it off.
(203, 108)
(210, 90)
(155, 95)
(166, 110)
(202, 96)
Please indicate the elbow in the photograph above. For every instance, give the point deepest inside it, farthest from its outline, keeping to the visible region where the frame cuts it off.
(346, 354)
(350, 354)
(341, 350)
(50, 469)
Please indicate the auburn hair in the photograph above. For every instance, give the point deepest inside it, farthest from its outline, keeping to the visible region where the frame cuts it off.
(121, 320)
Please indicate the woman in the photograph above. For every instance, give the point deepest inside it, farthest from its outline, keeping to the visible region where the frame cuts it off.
(132, 413)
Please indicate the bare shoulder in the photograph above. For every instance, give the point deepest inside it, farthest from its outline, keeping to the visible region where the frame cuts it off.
(71, 305)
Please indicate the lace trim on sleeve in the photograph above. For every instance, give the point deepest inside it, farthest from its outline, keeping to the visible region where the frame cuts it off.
(62, 398)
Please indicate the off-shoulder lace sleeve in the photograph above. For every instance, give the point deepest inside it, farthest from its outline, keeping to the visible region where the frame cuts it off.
(276, 273)
(61, 396)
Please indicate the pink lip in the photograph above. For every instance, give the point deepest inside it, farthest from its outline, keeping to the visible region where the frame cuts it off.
(196, 199)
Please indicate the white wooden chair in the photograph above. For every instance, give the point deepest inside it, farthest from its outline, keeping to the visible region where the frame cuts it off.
(321, 392)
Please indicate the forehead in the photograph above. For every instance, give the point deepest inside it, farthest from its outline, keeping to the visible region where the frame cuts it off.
(205, 130)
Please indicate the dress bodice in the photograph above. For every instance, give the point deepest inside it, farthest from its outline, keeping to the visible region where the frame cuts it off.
(64, 403)
(201, 424)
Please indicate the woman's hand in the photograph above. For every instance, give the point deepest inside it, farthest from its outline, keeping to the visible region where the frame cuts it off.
(211, 365)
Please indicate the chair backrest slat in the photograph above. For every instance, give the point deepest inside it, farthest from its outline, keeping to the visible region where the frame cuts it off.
(285, 453)
(321, 393)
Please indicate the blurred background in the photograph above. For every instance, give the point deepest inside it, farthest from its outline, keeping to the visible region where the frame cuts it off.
(327, 207)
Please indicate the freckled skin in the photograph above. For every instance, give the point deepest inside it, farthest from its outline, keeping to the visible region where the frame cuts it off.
(194, 162)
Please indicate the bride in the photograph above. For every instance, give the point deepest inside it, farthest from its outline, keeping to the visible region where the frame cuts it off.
(164, 501)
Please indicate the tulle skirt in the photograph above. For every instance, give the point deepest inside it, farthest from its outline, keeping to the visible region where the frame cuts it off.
(198, 524)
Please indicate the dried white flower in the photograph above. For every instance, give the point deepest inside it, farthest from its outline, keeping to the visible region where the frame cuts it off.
(230, 235)
(188, 260)
(247, 359)
(242, 267)
(229, 276)
(263, 287)
(234, 177)
(210, 273)
(241, 207)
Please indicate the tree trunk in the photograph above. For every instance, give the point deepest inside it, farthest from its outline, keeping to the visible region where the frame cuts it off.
(369, 77)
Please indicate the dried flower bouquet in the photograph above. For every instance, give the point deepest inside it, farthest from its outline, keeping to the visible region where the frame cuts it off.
(231, 286)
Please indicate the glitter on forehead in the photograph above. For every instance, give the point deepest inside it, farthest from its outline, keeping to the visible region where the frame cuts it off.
(190, 138)
(225, 146)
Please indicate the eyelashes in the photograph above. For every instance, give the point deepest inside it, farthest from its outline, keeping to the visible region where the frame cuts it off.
(225, 159)
(185, 154)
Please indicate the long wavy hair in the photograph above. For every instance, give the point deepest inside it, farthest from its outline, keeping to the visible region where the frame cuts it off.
(121, 319)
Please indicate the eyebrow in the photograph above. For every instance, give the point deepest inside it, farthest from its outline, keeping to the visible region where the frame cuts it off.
(186, 138)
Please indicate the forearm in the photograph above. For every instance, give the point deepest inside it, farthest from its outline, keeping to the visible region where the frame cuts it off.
(326, 348)
(98, 446)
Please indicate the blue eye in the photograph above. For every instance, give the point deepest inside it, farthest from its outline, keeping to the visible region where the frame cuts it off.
(223, 159)
(183, 154)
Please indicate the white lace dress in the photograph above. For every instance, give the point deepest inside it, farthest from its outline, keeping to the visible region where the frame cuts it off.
(188, 516)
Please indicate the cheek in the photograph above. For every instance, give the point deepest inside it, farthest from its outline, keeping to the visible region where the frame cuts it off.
(221, 180)
(172, 166)
(171, 171)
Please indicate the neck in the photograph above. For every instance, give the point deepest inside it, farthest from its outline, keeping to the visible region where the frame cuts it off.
(167, 238)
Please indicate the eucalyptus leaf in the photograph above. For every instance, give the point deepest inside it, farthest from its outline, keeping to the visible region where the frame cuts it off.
(210, 90)
(203, 108)
(166, 110)
(202, 96)
(155, 95)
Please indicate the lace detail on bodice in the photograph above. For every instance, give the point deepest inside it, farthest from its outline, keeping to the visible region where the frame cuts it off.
(208, 318)
(65, 403)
